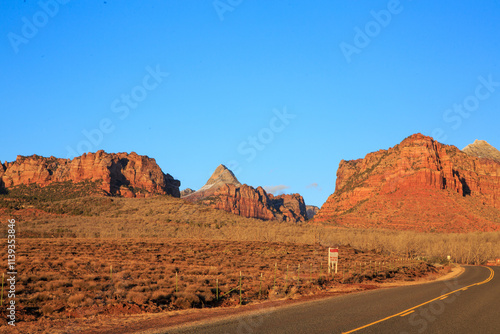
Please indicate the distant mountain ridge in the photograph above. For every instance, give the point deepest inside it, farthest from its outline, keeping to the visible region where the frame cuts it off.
(187, 191)
(481, 149)
(223, 191)
(312, 210)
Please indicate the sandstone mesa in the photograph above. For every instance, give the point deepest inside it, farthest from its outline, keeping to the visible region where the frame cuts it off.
(119, 174)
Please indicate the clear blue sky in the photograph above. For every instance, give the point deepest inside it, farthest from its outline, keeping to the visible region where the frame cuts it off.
(349, 84)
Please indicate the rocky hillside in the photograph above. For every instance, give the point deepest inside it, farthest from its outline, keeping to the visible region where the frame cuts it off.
(223, 191)
(312, 210)
(419, 184)
(481, 149)
(119, 174)
(187, 191)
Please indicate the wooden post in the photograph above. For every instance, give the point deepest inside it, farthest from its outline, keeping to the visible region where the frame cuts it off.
(111, 271)
(310, 273)
(216, 286)
(240, 287)
(260, 287)
(298, 275)
(329, 263)
(275, 271)
(286, 277)
(176, 288)
(1, 296)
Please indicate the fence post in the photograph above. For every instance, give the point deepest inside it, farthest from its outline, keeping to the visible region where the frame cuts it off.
(286, 278)
(275, 272)
(260, 287)
(1, 296)
(298, 276)
(176, 287)
(240, 287)
(216, 288)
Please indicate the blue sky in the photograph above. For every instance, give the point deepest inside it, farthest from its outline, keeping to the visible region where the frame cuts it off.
(280, 91)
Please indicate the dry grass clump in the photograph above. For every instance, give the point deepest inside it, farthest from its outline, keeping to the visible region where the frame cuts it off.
(138, 297)
(76, 299)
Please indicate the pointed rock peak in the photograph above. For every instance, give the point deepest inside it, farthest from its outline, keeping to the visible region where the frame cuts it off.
(222, 175)
(481, 149)
(479, 143)
(187, 191)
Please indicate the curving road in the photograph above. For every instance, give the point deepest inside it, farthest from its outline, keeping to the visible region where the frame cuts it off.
(469, 303)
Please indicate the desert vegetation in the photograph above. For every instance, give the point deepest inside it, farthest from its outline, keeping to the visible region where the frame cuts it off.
(167, 217)
(71, 277)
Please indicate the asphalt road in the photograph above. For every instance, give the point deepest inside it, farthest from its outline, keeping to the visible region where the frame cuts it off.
(469, 303)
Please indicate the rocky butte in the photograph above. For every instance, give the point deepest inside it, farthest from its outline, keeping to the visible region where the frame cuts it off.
(223, 191)
(419, 184)
(312, 210)
(118, 174)
(481, 149)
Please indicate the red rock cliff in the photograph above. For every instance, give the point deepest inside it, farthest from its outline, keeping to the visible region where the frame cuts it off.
(118, 173)
(419, 168)
(223, 191)
(247, 201)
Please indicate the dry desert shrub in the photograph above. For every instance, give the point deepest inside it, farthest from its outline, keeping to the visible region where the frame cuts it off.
(161, 297)
(185, 300)
(76, 299)
(138, 298)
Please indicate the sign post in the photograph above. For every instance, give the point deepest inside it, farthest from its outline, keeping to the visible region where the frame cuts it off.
(333, 258)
